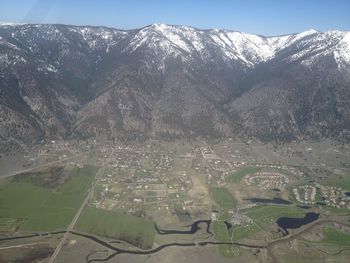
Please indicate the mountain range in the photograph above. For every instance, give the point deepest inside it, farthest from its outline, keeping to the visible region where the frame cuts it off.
(167, 82)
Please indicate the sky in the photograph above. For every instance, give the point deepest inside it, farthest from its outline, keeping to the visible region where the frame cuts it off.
(264, 17)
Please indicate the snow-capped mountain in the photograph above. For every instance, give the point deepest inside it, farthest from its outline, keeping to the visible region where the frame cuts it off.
(165, 80)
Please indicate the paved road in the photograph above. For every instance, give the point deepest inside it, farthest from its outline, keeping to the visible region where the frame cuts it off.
(74, 221)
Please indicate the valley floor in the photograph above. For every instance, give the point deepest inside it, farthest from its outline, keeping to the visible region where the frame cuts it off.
(163, 202)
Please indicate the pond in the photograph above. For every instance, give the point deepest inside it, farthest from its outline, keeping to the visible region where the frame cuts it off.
(292, 223)
(228, 225)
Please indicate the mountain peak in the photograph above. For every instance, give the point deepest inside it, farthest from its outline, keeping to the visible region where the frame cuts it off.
(312, 31)
(307, 33)
(159, 25)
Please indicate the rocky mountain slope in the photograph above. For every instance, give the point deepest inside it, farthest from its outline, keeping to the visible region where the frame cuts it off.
(59, 81)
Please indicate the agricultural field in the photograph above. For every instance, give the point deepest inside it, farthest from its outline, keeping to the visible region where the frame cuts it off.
(335, 237)
(41, 208)
(223, 198)
(131, 229)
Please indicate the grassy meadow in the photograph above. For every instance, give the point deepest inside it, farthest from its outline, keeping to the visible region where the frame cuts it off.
(134, 230)
(43, 209)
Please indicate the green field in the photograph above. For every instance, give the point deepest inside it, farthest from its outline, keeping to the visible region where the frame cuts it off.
(263, 217)
(43, 209)
(342, 181)
(267, 214)
(220, 231)
(334, 210)
(223, 198)
(238, 175)
(224, 235)
(20, 200)
(236, 232)
(221, 234)
(134, 230)
(335, 236)
(49, 178)
(241, 232)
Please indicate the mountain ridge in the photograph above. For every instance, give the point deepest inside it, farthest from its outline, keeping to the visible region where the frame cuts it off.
(171, 81)
(9, 23)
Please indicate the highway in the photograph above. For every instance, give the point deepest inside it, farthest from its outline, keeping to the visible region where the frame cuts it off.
(74, 221)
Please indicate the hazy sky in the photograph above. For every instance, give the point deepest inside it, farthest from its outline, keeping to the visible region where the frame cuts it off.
(266, 17)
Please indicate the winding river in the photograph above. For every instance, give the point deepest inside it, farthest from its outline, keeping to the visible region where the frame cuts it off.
(284, 222)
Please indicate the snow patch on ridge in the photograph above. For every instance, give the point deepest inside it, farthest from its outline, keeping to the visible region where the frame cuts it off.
(342, 52)
(207, 45)
(4, 23)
